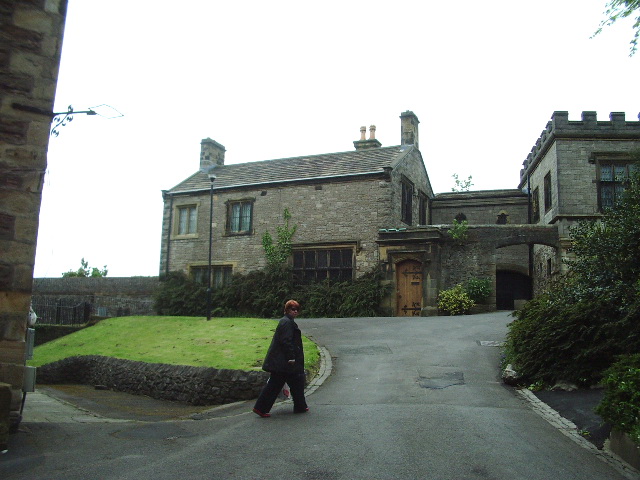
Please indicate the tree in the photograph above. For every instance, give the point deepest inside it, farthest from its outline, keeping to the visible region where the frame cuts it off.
(617, 9)
(462, 185)
(86, 271)
(576, 330)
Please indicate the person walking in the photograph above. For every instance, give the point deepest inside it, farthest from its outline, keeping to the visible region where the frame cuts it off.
(285, 362)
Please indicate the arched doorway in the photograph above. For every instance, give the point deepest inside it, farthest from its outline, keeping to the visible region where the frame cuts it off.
(409, 278)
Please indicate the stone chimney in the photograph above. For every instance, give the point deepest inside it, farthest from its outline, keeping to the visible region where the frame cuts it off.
(363, 144)
(409, 128)
(211, 154)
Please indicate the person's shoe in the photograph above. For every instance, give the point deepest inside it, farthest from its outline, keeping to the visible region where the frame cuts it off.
(301, 411)
(262, 414)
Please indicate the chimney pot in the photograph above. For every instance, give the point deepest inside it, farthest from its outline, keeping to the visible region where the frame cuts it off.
(363, 132)
(372, 132)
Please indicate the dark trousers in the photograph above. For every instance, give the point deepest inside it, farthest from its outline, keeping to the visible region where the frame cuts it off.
(274, 386)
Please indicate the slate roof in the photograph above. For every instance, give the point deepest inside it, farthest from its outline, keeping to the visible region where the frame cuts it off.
(284, 170)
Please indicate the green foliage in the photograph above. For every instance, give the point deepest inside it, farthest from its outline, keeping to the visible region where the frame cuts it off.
(461, 185)
(617, 9)
(259, 293)
(179, 295)
(278, 253)
(86, 271)
(621, 403)
(359, 298)
(460, 231)
(575, 331)
(455, 301)
(478, 289)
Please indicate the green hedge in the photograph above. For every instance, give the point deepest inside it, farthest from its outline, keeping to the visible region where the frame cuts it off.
(262, 293)
(621, 403)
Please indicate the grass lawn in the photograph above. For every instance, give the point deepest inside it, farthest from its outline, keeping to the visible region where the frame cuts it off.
(235, 343)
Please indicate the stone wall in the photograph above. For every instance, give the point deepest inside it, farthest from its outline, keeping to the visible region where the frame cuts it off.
(195, 385)
(480, 208)
(105, 296)
(330, 214)
(29, 59)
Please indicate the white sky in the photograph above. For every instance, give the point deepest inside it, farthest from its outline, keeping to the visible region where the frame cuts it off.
(276, 79)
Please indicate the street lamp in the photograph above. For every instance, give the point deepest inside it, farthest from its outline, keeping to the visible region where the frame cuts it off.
(212, 178)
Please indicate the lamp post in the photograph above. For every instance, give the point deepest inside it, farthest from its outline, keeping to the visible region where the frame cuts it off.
(212, 178)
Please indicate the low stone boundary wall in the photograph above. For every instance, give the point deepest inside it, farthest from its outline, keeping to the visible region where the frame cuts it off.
(194, 385)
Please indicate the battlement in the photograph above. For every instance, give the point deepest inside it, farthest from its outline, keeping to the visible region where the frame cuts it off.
(560, 127)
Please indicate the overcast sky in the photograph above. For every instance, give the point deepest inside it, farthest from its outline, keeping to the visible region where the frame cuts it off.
(276, 79)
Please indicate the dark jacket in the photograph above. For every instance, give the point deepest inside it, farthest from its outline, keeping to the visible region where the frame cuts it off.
(286, 345)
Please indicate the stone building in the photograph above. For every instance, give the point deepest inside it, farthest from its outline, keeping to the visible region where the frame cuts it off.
(574, 171)
(31, 35)
(374, 208)
(338, 202)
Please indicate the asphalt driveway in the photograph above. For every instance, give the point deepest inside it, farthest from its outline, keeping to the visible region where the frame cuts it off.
(408, 398)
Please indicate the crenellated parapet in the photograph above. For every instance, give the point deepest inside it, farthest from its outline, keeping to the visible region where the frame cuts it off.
(560, 127)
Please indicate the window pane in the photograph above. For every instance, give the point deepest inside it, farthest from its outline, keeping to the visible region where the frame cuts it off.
(322, 259)
(192, 220)
(309, 259)
(606, 173)
(235, 217)
(606, 195)
(620, 172)
(298, 260)
(336, 259)
(347, 258)
(182, 221)
(245, 223)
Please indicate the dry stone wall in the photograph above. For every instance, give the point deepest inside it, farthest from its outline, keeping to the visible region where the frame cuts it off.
(194, 385)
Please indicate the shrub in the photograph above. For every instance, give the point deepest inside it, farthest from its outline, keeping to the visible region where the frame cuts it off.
(179, 295)
(621, 403)
(455, 301)
(359, 298)
(575, 331)
(478, 289)
(459, 231)
(557, 336)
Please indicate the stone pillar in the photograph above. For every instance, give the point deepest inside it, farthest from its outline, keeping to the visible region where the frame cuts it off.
(29, 61)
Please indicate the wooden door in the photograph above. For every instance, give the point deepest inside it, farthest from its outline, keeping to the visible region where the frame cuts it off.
(409, 288)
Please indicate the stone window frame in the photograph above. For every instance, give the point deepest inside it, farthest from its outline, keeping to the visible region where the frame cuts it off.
(229, 231)
(221, 274)
(618, 161)
(406, 200)
(548, 197)
(316, 263)
(177, 215)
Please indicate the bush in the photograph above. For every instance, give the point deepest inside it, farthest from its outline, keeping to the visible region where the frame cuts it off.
(560, 335)
(262, 293)
(478, 289)
(621, 403)
(179, 295)
(455, 301)
(359, 298)
(576, 330)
